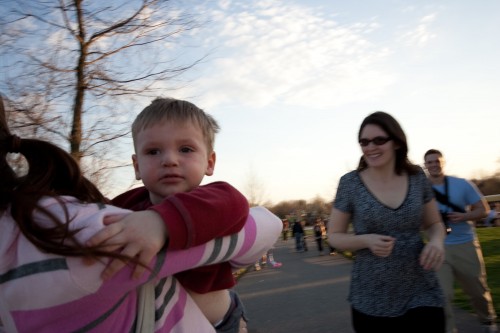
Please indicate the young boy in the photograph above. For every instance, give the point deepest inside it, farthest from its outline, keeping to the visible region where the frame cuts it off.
(173, 142)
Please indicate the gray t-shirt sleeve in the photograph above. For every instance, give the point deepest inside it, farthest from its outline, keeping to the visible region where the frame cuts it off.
(343, 199)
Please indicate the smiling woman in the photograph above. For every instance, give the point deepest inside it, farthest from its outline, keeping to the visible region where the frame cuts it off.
(388, 200)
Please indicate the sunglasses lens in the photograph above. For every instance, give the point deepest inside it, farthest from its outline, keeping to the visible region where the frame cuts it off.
(364, 142)
(379, 140)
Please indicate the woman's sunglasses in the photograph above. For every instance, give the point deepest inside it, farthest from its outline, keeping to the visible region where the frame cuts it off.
(378, 141)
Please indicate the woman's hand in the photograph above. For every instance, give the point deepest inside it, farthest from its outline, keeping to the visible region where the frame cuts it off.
(380, 245)
(432, 256)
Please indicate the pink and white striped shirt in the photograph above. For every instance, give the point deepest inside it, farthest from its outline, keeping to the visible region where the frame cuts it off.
(42, 292)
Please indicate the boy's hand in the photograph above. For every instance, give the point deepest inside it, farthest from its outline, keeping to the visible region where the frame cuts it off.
(139, 234)
(243, 326)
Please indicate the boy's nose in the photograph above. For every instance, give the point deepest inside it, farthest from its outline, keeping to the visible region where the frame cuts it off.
(169, 159)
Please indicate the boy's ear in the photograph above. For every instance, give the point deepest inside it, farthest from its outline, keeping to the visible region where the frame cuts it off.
(136, 167)
(210, 164)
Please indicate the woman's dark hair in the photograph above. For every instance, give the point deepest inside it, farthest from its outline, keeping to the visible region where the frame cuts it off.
(391, 126)
(52, 172)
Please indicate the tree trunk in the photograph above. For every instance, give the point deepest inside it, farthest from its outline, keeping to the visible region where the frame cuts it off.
(76, 126)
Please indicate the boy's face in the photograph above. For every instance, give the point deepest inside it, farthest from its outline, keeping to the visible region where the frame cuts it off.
(171, 157)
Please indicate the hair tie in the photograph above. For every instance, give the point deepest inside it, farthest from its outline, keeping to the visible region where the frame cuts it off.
(14, 144)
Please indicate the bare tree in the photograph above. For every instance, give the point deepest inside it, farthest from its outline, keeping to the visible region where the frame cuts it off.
(318, 207)
(254, 189)
(308, 210)
(66, 65)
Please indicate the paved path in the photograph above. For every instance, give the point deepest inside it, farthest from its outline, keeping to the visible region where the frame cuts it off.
(306, 295)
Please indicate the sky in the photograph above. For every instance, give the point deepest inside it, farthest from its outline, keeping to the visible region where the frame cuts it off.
(291, 81)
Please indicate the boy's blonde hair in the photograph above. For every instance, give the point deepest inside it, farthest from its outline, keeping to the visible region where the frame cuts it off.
(175, 110)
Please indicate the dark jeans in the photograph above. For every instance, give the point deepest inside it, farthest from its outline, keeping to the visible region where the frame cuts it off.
(231, 322)
(299, 241)
(319, 240)
(426, 319)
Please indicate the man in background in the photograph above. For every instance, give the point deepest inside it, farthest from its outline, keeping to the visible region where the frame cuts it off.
(460, 203)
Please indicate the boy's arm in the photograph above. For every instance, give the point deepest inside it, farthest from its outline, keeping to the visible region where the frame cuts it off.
(193, 218)
(261, 231)
(207, 212)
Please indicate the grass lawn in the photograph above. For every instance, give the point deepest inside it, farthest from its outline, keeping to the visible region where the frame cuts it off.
(490, 243)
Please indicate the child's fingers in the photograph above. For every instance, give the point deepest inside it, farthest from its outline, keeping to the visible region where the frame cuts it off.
(138, 271)
(110, 219)
(104, 234)
(111, 247)
(88, 261)
(145, 258)
(115, 265)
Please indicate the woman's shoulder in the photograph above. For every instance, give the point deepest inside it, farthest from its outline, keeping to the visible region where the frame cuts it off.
(63, 207)
(350, 179)
(74, 207)
(86, 217)
(416, 173)
(354, 174)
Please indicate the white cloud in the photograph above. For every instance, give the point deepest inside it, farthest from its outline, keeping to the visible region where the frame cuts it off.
(274, 51)
(422, 34)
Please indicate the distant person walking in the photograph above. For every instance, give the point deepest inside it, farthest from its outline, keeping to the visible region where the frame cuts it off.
(319, 234)
(298, 233)
(267, 260)
(286, 229)
(461, 203)
(388, 200)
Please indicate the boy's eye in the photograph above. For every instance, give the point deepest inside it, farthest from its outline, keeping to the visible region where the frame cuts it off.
(153, 152)
(186, 150)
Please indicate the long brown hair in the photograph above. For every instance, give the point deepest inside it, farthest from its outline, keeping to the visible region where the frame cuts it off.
(52, 172)
(394, 130)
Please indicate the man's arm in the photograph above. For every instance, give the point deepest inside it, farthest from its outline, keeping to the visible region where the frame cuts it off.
(477, 211)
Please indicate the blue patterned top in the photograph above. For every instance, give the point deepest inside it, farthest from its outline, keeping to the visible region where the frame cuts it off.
(392, 285)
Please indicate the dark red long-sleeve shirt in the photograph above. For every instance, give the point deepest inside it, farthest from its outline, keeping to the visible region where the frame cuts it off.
(193, 218)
